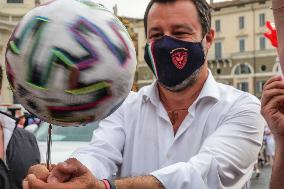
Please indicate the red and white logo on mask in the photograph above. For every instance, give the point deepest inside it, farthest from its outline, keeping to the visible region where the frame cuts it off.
(179, 57)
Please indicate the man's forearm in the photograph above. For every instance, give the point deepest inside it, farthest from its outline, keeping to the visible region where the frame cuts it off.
(142, 182)
(278, 11)
(277, 176)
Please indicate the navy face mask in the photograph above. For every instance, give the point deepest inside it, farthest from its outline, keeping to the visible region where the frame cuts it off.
(173, 61)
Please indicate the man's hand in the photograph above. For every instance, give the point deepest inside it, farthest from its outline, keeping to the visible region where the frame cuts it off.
(272, 106)
(72, 174)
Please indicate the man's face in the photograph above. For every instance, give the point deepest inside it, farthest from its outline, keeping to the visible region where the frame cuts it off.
(179, 20)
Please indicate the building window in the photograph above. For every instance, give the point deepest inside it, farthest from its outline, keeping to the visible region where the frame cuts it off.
(218, 71)
(243, 86)
(15, 1)
(242, 45)
(261, 19)
(242, 69)
(262, 43)
(218, 25)
(259, 86)
(263, 68)
(241, 22)
(218, 50)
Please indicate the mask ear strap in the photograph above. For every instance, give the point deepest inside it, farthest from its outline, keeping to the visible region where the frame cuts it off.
(203, 48)
(203, 38)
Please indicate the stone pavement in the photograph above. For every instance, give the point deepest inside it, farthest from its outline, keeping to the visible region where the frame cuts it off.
(262, 182)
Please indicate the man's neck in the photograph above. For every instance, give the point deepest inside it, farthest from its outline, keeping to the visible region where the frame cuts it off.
(183, 99)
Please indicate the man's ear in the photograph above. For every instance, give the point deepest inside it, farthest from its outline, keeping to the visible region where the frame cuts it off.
(209, 38)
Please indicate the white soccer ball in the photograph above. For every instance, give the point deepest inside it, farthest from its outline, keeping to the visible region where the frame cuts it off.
(70, 62)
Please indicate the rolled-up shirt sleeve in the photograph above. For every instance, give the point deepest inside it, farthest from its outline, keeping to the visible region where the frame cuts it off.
(104, 153)
(226, 158)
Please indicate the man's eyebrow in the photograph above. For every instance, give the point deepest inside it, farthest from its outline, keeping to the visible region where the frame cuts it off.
(180, 26)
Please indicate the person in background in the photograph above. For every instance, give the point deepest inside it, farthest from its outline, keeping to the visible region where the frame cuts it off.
(278, 12)
(18, 151)
(21, 121)
(270, 146)
(273, 111)
(272, 102)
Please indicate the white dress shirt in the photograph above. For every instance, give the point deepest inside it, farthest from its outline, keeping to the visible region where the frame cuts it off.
(216, 145)
(8, 125)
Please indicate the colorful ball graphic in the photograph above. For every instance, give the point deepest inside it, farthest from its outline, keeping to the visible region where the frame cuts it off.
(70, 62)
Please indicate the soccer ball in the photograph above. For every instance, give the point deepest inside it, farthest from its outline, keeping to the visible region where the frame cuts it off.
(70, 62)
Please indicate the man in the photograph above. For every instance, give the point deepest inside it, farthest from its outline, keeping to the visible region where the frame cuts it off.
(272, 102)
(278, 12)
(273, 111)
(184, 131)
(18, 151)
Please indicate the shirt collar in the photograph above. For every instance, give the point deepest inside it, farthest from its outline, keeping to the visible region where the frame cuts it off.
(209, 90)
(152, 94)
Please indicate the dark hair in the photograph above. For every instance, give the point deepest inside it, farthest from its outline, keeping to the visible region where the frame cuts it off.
(203, 9)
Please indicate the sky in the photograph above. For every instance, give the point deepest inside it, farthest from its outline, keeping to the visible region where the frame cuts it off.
(129, 8)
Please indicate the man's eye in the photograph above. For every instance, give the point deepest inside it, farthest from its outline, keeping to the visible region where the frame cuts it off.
(181, 34)
(156, 36)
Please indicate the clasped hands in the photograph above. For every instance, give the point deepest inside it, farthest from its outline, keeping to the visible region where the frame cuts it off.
(70, 174)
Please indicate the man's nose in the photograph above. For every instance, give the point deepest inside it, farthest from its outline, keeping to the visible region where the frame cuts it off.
(168, 34)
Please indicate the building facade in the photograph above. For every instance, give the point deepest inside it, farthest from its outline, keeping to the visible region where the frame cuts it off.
(131, 24)
(11, 12)
(241, 56)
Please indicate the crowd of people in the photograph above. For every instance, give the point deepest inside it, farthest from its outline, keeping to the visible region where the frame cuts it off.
(23, 118)
(267, 152)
